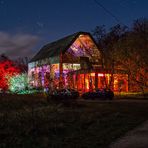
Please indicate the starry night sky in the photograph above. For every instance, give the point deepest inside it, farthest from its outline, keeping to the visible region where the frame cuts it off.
(26, 25)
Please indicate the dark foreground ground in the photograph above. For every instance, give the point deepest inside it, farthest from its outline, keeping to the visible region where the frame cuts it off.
(32, 122)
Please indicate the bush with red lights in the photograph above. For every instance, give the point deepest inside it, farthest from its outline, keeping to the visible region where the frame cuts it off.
(8, 69)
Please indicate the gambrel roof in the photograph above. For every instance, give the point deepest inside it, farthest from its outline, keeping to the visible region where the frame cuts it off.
(55, 48)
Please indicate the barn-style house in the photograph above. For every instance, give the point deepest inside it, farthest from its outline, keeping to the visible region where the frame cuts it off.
(75, 62)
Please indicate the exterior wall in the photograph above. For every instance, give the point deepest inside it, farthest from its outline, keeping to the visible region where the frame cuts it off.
(38, 75)
(43, 76)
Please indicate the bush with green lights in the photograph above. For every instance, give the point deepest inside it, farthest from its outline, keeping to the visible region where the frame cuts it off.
(18, 83)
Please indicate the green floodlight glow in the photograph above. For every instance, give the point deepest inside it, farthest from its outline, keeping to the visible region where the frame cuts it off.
(33, 91)
(18, 83)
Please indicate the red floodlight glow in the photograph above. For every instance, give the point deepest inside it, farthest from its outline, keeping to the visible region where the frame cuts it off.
(7, 70)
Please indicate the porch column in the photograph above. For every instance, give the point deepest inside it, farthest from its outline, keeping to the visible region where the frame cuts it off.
(96, 80)
(77, 78)
(84, 83)
(61, 71)
(127, 83)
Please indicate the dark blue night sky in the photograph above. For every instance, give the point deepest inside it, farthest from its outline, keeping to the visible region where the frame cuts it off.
(26, 25)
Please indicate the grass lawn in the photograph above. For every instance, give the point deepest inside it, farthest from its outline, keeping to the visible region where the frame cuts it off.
(32, 122)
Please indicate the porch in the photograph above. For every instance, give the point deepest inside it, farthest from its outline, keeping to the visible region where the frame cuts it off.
(88, 80)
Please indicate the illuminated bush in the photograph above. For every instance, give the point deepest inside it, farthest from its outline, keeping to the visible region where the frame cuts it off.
(7, 69)
(18, 83)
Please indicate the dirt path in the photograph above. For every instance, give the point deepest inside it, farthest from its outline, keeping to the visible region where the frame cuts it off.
(137, 138)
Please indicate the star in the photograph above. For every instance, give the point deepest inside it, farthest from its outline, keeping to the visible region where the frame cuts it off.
(40, 24)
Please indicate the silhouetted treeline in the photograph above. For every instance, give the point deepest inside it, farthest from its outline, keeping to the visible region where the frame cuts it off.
(126, 47)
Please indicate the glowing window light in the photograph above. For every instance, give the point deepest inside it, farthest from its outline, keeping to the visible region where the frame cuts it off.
(100, 74)
(74, 49)
(92, 74)
(67, 66)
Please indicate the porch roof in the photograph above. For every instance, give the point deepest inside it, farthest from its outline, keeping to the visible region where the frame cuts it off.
(98, 70)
